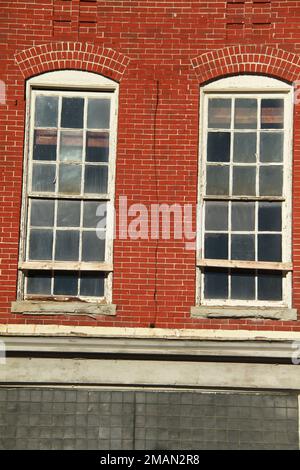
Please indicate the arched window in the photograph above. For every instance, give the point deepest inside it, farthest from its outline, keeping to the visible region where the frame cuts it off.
(244, 231)
(68, 182)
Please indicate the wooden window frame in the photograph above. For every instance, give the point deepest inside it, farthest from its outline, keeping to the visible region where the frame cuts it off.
(247, 87)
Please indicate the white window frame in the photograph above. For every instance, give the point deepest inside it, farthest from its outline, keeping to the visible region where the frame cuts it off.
(68, 83)
(253, 86)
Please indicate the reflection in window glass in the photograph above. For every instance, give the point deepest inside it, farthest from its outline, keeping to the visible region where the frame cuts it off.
(98, 113)
(244, 181)
(39, 282)
(71, 146)
(245, 116)
(44, 146)
(244, 147)
(69, 179)
(272, 114)
(93, 248)
(271, 147)
(43, 178)
(243, 216)
(40, 244)
(97, 146)
(67, 245)
(219, 113)
(68, 213)
(42, 213)
(216, 215)
(270, 180)
(95, 179)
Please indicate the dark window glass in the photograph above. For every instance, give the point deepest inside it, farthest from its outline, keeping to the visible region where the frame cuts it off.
(39, 282)
(219, 113)
(95, 179)
(271, 147)
(218, 147)
(242, 284)
(243, 247)
(42, 213)
(72, 113)
(269, 247)
(46, 108)
(244, 181)
(269, 285)
(269, 217)
(93, 247)
(92, 284)
(44, 145)
(270, 180)
(216, 215)
(43, 178)
(272, 114)
(245, 113)
(243, 216)
(98, 113)
(217, 180)
(65, 283)
(216, 246)
(67, 245)
(216, 283)
(244, 149)
(40, 244)
(68, 213)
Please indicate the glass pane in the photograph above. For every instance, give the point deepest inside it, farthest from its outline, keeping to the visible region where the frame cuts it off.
(269, 217)
(67, 245)
(243, 247)
(242, 216)
(245, 113)
(72, 113)
(269, 248)
(94, 213)
(95, 180)
(98, 114)
(270, 180)
(42, 213)
(69, 179)
(271, 147)
(217, 180)
(39, 282)
(242, 284)
(43, 178)
(269, 285)
(244, 181)
(215, 283)
(216, 215)
(71, 146)
(92, 284)
(244, 147)
(65, 283)
(93, 248)
(40, 244)
(68, 213)
(216, 246)
(97, 146)
(218, 147)
(219, 113)
(44, 146)
(46, 108)
(272, 114)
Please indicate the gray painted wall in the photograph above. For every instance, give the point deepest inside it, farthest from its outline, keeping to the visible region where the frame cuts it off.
(80, 418)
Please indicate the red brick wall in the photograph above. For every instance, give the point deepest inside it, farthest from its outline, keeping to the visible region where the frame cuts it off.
(160, 52)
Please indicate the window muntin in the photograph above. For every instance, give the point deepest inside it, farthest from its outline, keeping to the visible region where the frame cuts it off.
(245, 198)
(70, 181)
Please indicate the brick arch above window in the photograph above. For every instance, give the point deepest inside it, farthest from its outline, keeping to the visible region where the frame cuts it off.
(247, 59)
(69, 55)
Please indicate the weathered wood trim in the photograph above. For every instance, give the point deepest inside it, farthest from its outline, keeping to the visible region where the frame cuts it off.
(36, 307)
(275, 313)
(224, 263)
(65, 266)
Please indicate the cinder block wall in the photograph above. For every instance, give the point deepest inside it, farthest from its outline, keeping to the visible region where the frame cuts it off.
(77, 418)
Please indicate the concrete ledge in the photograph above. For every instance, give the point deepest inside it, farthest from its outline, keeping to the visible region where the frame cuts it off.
(37, 307)
(273, 313)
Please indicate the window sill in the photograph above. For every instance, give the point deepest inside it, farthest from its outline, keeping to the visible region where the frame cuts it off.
(272, 313)
(37, 307)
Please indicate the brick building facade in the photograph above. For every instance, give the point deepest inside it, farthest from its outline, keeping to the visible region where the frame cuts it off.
(153, 326)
